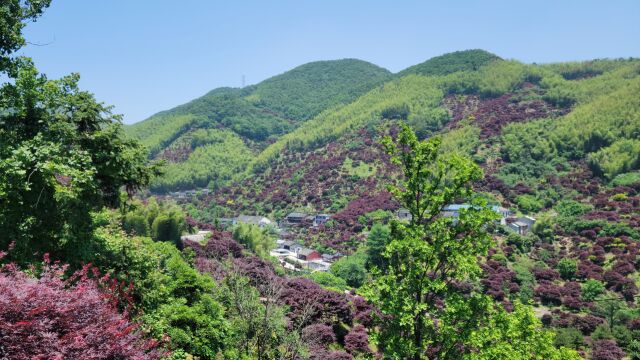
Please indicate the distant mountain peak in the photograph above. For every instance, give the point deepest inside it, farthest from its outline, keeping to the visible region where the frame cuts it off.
(448, 63)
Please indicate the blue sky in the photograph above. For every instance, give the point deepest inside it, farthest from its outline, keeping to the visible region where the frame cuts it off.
(145, 56)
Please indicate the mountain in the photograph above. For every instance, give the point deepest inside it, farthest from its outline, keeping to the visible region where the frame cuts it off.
(192, 137)
(466, 60)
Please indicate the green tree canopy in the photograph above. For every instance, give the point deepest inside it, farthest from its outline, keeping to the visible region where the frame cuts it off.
(428, 313)
(376, 243)
(253, 237)
(63, 155)
(14, 15)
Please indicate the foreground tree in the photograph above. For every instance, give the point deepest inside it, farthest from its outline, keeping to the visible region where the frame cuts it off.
(14, 15)
(63, 155)
(428, 293)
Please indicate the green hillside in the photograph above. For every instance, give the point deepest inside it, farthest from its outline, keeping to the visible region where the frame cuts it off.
(254, 115)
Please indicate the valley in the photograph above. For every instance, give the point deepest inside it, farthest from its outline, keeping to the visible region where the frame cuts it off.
(469, 206)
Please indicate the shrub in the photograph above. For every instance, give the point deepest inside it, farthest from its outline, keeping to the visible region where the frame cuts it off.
(606, 350)
(529, 203)
(569, 337)
(567, 268)
(357, 340)
(309, 303)
(592, 289)
(602, 332)
(48, 317)
(400, 112)
(328, 280)
(351, 269)
(587, 324)
(318, 334)
(549, 294)
(340, 355)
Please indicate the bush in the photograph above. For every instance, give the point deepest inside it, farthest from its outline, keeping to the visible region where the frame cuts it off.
(328, 280)
(591, 289)
(606, 350)
(634, 350)
(318, 334)
(569, 337)
(626, 179)
(357, 341)
(529, 203)
(48, 317)
(602, 332)
(567, 268)
(549, 294)
(400, 112)
(351, 269)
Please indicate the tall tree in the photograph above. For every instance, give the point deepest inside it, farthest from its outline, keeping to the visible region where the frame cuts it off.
(376, 243)
(14, 15)
(62, 155)
(431, 303)
(258, 240)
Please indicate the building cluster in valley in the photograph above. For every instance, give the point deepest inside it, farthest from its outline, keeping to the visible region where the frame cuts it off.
(520, 225)
(296, 257)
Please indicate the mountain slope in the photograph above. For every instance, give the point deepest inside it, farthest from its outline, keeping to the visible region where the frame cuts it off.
(255, 115)
(515, 129)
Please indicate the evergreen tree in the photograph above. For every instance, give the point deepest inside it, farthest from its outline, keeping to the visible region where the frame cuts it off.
(376, 243)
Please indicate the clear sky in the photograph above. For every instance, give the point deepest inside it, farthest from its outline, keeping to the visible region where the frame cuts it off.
(144, 56)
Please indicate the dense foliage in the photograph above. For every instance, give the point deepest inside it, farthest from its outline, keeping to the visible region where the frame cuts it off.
(425, 291)
(62, 155)
(48, 317)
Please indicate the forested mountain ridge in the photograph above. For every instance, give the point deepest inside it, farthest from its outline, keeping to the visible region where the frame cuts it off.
(246, 119)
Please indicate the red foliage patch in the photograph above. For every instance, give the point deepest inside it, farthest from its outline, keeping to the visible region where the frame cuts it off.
(51, 318)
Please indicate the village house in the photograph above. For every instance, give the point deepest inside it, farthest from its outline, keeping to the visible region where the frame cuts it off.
(332, 257)
(178, 195)
(321, 219)
(503, 212)
(453, 210)
(287, 245)
(280, 253)
(308, 254)
(192, 237)
(522, 225)
(199, 237)
(403, 214)
(318, 265)
(253, 220)
(296, 218)
(226, 222)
